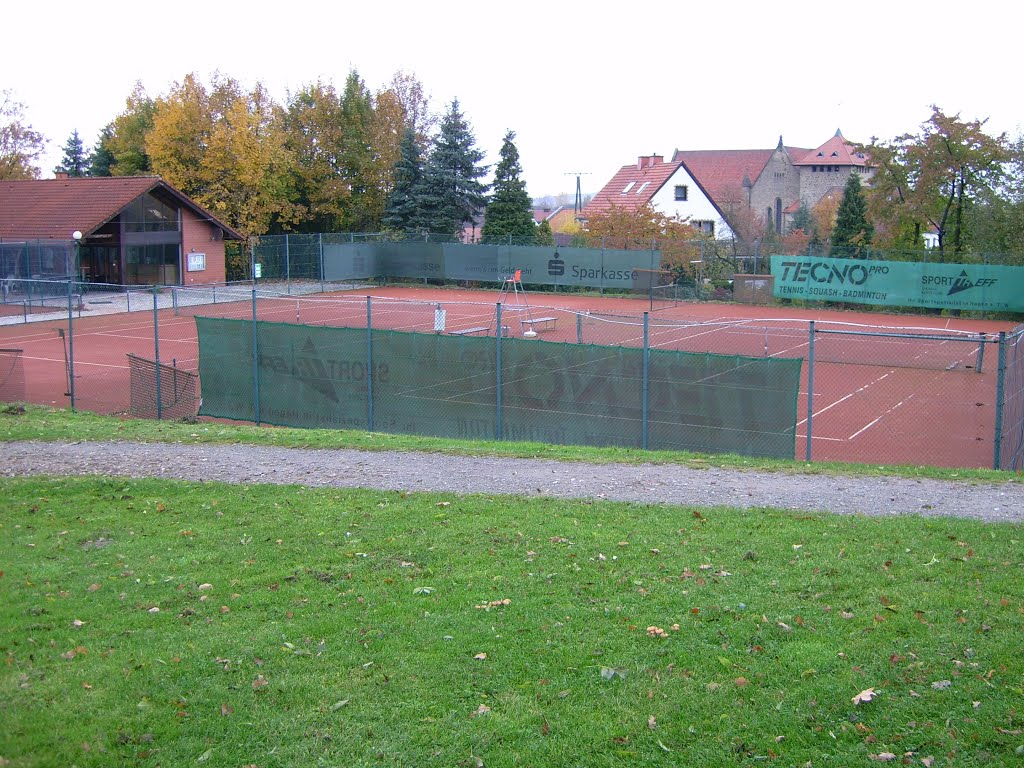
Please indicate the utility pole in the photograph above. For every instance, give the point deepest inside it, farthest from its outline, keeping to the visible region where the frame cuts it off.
(578, 206)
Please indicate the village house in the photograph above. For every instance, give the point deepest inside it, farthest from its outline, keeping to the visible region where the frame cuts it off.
(714, 189)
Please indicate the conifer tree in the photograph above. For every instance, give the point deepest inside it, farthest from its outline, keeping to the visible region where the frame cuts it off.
(451, 195)
(544, 235)
(509, 211)
(74, 162)
(101, 159)
(402, 212)
(853, 233)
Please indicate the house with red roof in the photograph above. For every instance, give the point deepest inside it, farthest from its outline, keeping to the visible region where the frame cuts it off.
(712, 188)
(125, 230)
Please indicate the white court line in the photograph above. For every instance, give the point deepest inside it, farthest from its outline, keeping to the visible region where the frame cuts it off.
(77, 362)
(847, 397)
(882, 416)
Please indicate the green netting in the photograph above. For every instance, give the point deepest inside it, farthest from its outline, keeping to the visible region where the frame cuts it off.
(1011, 429)
(444, 386)
(336, 258)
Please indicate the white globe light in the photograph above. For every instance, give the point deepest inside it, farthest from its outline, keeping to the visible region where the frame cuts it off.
(77, 235)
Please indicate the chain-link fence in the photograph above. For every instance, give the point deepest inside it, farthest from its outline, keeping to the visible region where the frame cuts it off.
(511, 370)
(1010, 417)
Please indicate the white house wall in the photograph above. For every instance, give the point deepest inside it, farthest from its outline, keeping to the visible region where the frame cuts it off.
(696, 207)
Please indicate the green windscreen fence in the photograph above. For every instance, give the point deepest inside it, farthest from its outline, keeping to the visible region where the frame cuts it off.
(486, 388)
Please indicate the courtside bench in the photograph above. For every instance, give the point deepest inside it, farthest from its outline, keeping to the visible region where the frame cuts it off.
(477, 329)
(542, 323)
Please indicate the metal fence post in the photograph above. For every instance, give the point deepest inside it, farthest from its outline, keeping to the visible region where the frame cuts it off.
(369, 364)
(320, 237)
(287, 264)
(810, 390)
(71, 346)
(579, 327)
(497, 368)
(156, 352)
(1000, 393)
(255, 363)
(647, 364)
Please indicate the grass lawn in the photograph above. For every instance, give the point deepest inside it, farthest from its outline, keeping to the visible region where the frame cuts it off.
(159, 623)
(34, 422)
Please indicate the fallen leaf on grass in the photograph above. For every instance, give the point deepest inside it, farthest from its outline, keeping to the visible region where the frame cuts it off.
(480, 656)
(652, 723)
(883, 757)
(483, 709)
(260, 682)
(226, 709)
(941, 685)
(864, 696)
(339, 704)
(494, 604)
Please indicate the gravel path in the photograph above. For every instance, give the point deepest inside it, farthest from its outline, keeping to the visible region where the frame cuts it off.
(669, 484)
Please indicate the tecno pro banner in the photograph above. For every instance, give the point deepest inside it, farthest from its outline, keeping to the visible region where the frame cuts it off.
(983, 287)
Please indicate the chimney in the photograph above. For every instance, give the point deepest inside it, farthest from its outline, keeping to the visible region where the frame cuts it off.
(61, 175)
(648, 161)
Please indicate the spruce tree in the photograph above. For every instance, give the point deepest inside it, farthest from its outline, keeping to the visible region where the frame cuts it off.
(509, 212)
(74, 162)
(853, 233)
(451, 195)
(402, 211)
(803, 220)
(101, 159)
(544, 235)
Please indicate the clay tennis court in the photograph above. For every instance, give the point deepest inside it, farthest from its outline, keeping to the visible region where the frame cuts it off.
(879, 399)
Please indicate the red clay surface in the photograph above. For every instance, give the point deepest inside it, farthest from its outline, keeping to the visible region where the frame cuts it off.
(882, 412)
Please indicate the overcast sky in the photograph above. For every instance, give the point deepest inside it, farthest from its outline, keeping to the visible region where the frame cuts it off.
(587, 87)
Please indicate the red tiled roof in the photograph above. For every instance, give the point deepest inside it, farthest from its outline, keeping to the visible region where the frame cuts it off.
(835, 151)
(640, 181)
(545, 214)
(720, 172)
(51, 209)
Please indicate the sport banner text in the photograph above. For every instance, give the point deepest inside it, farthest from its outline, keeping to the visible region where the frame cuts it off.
(982, 287)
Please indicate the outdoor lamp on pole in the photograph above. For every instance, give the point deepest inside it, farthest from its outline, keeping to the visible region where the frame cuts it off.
(77, 237)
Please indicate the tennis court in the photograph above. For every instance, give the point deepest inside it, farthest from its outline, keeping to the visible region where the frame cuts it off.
(878, 397)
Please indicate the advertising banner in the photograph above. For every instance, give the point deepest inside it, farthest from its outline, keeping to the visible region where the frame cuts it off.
(540, 265)
(979, 287)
